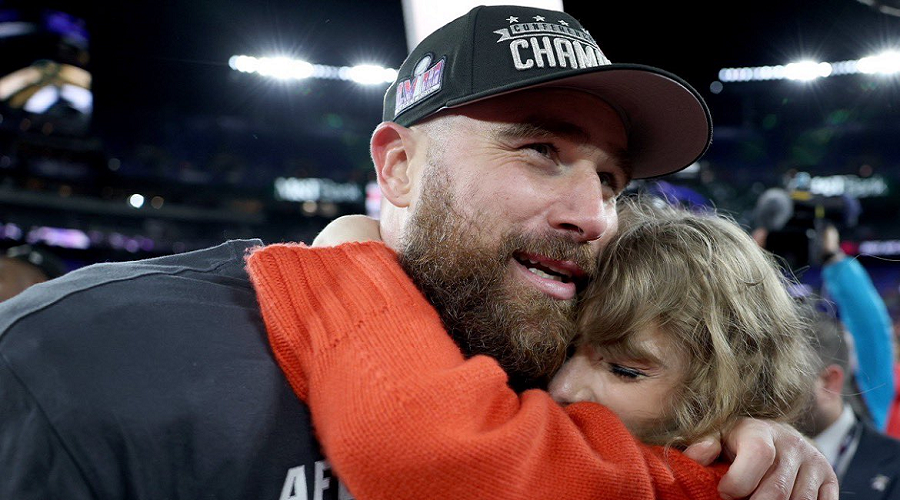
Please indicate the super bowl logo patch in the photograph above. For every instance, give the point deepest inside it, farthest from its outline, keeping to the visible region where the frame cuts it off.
(426, 81)
(541, 44)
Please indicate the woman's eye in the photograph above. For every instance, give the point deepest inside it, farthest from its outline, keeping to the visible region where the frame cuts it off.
(625, 372)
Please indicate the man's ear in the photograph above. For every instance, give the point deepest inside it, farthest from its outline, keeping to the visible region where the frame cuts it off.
(833, 379)
(393, 148)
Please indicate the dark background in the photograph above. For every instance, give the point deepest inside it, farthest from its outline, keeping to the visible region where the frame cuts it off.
(172, 120)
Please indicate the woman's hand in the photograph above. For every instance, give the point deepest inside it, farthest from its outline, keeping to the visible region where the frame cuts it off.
(348, 228)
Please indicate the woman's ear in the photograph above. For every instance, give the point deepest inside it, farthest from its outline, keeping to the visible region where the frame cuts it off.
(392, 148)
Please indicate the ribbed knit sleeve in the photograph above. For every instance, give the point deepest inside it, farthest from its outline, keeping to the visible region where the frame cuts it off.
(401, 414)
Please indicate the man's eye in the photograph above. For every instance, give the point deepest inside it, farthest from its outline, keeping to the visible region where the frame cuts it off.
(625, 372)
(608, 179)
(543, 149)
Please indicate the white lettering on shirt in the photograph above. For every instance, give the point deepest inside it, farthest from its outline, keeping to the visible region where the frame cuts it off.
(295, 486)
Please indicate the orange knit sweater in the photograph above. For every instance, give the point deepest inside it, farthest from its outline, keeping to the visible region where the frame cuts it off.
(401, 414)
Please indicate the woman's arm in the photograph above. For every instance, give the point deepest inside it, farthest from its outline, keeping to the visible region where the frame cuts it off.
(402, 414)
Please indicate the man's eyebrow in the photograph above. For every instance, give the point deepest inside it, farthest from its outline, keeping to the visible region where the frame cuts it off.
(540, 128)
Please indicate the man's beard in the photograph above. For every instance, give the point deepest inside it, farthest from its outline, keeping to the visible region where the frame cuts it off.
(466, 278)
(813, 421)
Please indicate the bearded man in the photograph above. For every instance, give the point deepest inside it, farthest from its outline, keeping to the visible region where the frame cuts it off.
(505, 140)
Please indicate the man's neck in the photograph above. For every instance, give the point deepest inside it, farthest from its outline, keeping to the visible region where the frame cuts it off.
(833, 441)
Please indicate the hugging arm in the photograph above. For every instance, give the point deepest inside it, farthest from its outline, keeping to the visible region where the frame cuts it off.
(402, 414)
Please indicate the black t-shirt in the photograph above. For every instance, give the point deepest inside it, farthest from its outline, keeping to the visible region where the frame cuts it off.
(151, 379)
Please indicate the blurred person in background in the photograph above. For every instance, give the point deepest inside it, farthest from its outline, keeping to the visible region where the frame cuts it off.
(156, 378)
(26, 265)
(866, 461)
(861, 310)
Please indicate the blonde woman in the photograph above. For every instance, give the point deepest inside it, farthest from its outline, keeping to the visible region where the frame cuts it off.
(687, 327)
(686, 305)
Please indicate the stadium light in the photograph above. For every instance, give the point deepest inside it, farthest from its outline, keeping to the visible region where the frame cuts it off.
(281, 68)
(807, 70)
(369, 74)
(885, 63)
(136, 200)
(244, 64)
(285, 68)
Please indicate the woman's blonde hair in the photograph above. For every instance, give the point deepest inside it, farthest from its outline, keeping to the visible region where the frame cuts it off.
(724, 302)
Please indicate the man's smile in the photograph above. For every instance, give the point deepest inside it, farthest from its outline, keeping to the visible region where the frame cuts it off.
(556, 278)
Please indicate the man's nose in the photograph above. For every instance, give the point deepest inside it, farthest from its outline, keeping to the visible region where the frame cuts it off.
(581, 211)
(571, 384)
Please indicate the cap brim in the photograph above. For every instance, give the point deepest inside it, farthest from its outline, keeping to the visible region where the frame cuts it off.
(669, 125)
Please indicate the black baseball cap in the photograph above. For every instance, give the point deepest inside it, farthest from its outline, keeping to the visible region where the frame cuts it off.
(494, 50)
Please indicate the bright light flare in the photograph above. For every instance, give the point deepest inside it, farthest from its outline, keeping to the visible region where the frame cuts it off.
(244, 64)
(285, 68)
(807, 70)
(281, 68)
(369, 74)
(886, 63)
(136, 200)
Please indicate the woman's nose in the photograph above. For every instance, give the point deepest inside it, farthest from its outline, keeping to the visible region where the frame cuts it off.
(572, 383)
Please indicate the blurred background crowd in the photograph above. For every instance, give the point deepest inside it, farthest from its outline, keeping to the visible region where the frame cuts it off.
(147, 128)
